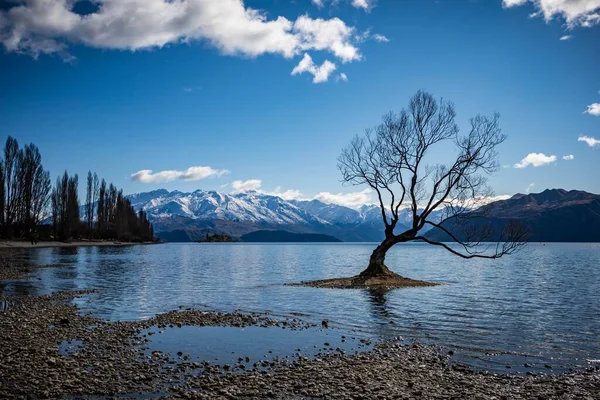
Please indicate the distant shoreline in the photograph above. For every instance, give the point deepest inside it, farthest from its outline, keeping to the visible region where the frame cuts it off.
(22, 244)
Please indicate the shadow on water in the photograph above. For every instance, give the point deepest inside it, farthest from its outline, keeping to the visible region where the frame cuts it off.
(387, 316)
(16, 288)
(377, 300)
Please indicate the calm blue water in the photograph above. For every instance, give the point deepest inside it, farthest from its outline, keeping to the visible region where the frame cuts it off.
(540, 306)
(231, 345)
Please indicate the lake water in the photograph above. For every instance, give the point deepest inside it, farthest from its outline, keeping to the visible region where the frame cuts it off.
(539, 306)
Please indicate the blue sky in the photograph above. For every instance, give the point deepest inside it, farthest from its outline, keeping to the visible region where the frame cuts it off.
(216, 89)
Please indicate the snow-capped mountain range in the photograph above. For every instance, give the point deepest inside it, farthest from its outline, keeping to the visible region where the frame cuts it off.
(205, 205)
(247, 211)
(179, 216)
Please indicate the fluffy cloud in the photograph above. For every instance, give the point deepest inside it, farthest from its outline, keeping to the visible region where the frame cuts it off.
(364, 4)
(45, 27)
(491, 199)
(512, 3)
(320, 73)
(568, 157)
(475, 202)
(355, 199)
(291, 194)
(593, 109)
(592, 142)
(331, 35)
(566, 37)
(256, 184)
(584, 13)
(380, 38)
(535, 160)
(341, 77)
(190, 174)
(244, 186)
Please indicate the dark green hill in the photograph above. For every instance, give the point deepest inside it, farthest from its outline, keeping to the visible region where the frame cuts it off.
(284, 236)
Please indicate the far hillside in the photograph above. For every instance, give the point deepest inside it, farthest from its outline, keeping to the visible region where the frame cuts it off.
(284, 236)
(554, 215)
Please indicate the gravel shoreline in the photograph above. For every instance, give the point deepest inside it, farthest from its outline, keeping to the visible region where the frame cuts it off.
(111, 362)
(111, 359)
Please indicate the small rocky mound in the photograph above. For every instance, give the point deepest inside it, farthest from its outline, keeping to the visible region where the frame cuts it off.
(386, 281)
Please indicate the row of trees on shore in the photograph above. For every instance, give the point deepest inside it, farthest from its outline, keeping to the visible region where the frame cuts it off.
(29, 205)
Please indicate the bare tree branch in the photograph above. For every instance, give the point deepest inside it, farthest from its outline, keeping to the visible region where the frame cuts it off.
(390, 159)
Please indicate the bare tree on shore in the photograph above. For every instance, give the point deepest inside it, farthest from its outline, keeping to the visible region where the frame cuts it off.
(390, 159)
(11, 152)
(24, 189)
(26, 193)
(65, 207)
(95, 190)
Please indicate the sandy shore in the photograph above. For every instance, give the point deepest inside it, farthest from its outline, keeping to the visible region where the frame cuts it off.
(21, 244)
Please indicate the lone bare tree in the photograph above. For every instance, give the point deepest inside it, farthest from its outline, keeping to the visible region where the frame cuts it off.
(390, 159)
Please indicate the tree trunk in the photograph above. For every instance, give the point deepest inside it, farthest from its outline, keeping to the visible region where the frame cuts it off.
(377, 265)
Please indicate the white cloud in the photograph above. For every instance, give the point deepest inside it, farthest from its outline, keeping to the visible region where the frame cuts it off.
(290, 194)
(320, 73)
(479, 201)
(46, 26)
(341, 77)
(256, 184)
(535, 160)
(568, 157)
(566, 37)
(593, 109)
(512, 3)
(491, 199)
(355, 199)
(592, 142)
(244, 186)
(363, 36)
(364, 4)
(331, 35)
(584, 13)
(190, 174)
(380, 38)
(529, 188)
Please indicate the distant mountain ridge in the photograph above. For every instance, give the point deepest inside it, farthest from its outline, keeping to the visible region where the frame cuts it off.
(188, 216)
(552, 215)
(246, 206)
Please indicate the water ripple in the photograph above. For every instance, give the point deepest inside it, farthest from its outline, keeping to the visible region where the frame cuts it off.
(542, 302)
